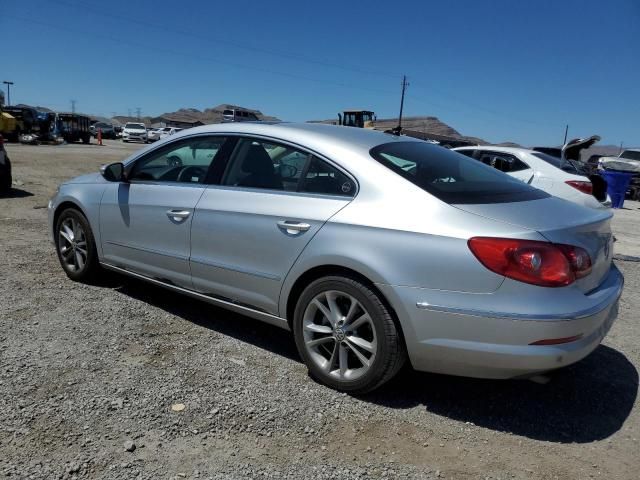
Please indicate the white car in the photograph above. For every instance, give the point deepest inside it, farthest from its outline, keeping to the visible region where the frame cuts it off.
(555, 176)
(134, 132)
(153, 134)
(166, 131)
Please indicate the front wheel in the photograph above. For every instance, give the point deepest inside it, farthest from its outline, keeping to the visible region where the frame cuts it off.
(76, 246)
(346, 335)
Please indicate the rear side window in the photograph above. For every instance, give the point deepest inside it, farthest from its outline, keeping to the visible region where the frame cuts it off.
(272, 166)
(320, 177)
(450, 176)
(504, 162)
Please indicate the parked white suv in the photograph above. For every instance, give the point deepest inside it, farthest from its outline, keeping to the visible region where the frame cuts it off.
(134, 132)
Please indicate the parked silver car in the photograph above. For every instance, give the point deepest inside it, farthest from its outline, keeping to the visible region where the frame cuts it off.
(368, 246)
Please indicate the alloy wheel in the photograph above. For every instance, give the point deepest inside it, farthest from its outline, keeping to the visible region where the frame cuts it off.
(339, 335)
(72, 244)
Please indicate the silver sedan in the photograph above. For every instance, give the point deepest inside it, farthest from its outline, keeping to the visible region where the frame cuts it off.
(371, 248)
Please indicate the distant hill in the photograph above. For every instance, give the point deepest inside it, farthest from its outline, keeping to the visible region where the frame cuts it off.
(207, 116)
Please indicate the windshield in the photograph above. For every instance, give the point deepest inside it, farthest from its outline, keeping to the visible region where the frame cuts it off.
(631, 154)
(451, 176)
(135, 125)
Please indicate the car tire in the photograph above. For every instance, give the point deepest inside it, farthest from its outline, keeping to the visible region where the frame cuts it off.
(75, 246)
(5, 185)
(350, 347)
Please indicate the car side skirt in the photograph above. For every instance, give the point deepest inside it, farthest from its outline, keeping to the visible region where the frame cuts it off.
(226, 304)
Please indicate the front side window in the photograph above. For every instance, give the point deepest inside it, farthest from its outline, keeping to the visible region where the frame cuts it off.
(273, 166)
(186, 161)
(451, 177)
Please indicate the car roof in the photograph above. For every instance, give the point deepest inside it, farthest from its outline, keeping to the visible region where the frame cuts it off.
(346, 144)
(306, 134)
(497, 148)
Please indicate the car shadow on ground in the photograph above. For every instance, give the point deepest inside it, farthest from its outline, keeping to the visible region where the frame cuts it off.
(583, 403)
(16, 193)
(240, 327)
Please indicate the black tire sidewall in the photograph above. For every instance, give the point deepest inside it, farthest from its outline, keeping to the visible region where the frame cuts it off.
(377, 312)
(91, 264)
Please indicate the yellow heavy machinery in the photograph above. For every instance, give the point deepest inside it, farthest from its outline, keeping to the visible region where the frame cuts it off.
(357, 118)
(8, 125)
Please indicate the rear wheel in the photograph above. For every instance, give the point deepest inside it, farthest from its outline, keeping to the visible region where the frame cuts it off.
(346, 335)
(75, 246)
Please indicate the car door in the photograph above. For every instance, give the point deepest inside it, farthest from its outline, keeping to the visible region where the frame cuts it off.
(145, 222)
(248, 232)
(507, 163)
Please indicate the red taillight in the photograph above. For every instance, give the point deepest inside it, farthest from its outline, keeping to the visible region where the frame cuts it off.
(584, 187)
(1, 140)
(538, 263)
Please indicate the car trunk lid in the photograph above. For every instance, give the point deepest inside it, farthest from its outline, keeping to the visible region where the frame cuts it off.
(560, 221)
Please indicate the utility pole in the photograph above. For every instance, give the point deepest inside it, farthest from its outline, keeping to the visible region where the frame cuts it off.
(620, 149)
(8, 84)
(566, 130)
(73, 106)
(405, 84)
(138, 112)
(129, 113)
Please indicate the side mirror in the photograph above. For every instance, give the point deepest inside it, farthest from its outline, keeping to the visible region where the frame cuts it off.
(113, 172)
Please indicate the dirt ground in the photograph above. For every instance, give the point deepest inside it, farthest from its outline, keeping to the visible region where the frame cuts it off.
(91, 376)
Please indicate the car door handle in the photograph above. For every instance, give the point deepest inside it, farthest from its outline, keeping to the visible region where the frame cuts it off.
(293, 227)
(178, 215)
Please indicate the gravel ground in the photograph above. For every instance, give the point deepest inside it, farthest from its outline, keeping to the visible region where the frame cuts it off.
(123, 380)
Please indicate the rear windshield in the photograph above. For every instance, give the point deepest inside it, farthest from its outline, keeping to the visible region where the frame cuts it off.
(451, 176)
(566, 165)
(134, 125)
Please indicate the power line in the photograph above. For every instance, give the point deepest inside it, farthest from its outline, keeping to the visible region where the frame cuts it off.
(467, 104)
(183, 54)
(223, 41)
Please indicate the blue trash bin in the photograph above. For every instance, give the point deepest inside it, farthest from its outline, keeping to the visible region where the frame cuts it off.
(617, 184)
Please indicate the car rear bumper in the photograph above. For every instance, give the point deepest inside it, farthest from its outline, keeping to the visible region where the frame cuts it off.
(490, 343)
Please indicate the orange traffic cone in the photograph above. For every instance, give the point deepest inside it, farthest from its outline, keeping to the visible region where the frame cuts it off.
(99, 136)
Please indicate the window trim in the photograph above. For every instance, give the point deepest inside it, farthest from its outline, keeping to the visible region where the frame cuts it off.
(306, 150)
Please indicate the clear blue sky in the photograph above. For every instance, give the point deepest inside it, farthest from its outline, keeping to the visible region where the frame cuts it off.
(500, 70)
